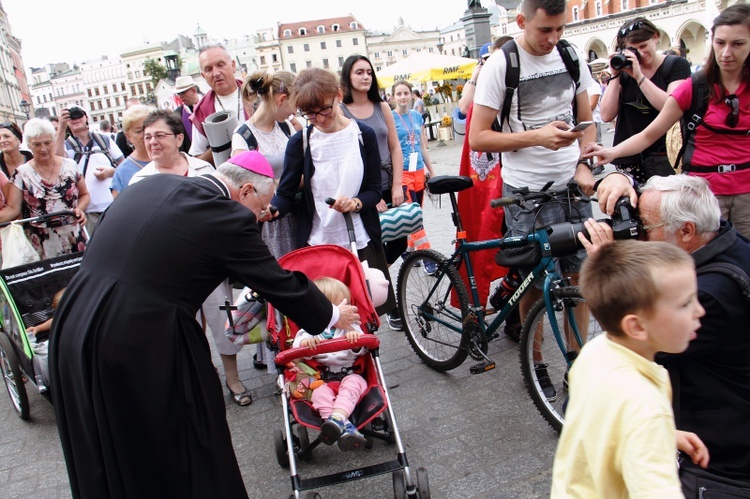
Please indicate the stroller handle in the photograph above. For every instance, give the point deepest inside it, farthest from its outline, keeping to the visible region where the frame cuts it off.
(43, 218)
(349, 226)
(369, 341)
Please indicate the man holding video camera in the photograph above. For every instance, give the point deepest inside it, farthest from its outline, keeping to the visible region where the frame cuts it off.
(711, 379)
(642, 79)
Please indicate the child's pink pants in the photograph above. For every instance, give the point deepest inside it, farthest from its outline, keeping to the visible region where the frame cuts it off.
(342, 395)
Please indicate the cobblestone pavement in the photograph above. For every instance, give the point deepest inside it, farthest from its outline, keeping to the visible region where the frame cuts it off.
(477, 435)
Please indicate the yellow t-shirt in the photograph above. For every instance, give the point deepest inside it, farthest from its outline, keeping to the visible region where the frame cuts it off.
(619, 435)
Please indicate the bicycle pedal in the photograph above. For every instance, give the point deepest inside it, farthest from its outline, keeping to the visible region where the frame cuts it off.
(482, 367)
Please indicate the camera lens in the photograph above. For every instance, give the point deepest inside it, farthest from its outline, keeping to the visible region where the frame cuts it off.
(619, 61)
(76, 112)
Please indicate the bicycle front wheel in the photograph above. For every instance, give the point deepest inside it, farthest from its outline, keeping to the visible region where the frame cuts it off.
(546, 357)
(433, 308)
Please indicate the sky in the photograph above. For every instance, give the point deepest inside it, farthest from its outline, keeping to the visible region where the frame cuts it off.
(79, 30)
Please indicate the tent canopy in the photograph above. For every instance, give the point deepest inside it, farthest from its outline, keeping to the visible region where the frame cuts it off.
(423, 67)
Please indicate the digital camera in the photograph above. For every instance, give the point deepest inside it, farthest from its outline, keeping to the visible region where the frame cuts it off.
(563, 237)
(620, 61)
(76, 112)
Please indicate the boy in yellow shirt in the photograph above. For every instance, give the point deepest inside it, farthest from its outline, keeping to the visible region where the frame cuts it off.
(619, 435)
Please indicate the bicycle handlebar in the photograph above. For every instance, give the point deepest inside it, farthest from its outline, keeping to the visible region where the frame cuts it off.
(570, 193)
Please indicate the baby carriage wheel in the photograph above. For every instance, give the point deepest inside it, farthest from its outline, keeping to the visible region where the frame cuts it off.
(279, 444)
(423, 484)
(13, 377)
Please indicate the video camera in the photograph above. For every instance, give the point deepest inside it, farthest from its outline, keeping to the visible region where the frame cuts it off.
(620, 61)
(563, 237)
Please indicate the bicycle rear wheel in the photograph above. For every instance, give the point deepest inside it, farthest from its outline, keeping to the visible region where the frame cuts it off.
(546, 358)
(433, 308)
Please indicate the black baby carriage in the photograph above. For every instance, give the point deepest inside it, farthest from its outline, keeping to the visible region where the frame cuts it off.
(26, 301)
(373, 415)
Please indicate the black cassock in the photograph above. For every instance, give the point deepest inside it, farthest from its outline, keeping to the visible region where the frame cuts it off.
(139, 406)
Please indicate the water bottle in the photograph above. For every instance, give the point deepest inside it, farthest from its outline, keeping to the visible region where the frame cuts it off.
(508, 285)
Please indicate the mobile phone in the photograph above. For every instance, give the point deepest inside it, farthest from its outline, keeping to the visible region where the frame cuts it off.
(581, 126)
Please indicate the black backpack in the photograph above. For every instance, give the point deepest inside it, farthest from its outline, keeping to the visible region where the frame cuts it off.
(693, 118)
(252, 142)
(738, 275)
(101, 140)
(513, 74)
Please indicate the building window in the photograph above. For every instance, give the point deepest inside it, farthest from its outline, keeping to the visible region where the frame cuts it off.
(274, 58)
(106, 90)
(293, 67)
(308, 64)
(109, 103)
(575, 14)
(325, 64)
(90, 93)
(624, 5)
(353, 25)
(335, 27)
(287, 33)
(122, 86)
(429, 49)
(148, 86)
(378, 68)
(405, 52)
(321, 29)
(137, 74)
(302, 32)
(132, 90)
(117, 101)
(289, 49)
(355, 41)
(114, 87)
(323, 45)
(140, 91)
(96, 90)
(263, 60)
(338, 43)
(306, 47)
(598, 8)
(389, 53)
(341, 61)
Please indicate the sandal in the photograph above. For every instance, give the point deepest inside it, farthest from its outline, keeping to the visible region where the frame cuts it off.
(241, 399)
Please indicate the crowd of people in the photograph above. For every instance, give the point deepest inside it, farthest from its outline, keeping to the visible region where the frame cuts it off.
(165, 249)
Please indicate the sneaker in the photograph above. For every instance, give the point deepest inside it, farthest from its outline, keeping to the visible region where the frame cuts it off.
(331, 430)
(257, 364)
(395, 321)
(430, 267)
(351, 439)
(545, 382)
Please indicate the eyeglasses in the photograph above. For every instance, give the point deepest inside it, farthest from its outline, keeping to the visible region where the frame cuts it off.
(324, 111)
(158, 136)
(647, 228)
(633, 26)
(734, 115)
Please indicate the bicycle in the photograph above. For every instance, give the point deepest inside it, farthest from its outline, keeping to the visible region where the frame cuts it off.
(445, 324)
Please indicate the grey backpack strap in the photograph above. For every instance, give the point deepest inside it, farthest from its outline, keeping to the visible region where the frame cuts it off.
(738, 275)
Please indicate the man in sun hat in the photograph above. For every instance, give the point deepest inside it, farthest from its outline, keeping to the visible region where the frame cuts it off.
(139, 405)
(189, 93)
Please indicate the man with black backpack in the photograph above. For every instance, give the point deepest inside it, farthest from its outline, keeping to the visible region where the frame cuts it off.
(97, 157)
(535, 87)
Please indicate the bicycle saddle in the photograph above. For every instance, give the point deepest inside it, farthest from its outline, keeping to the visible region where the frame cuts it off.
(449, 183)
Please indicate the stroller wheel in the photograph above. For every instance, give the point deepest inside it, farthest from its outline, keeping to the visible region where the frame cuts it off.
(304, 451)
(368, 437)
(279, 444)
(423, 484)
(13, 377)
(399, 485)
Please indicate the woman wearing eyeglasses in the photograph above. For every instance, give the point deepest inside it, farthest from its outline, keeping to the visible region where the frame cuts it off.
(719, 150)
(637, 91)
(338, 158)
(163, 136)
(11, 155)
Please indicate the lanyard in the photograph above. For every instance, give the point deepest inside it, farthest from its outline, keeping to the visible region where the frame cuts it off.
(409, 129)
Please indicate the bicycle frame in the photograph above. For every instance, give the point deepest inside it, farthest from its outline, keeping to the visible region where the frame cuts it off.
(546, 267)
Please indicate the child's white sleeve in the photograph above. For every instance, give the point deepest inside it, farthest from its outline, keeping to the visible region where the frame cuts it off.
(301, 335)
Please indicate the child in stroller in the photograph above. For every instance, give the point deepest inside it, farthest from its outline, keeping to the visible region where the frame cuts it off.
(336, 398)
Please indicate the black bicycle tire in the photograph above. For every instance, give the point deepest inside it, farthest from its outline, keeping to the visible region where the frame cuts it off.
(552, 412)
(404, 302)
(21, 401)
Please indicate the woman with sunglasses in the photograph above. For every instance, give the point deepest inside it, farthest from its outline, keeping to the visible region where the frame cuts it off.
(338, 158)
(637, 91)
(723, 138)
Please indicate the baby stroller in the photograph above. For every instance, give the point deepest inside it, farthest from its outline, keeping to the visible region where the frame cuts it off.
(373, 415)
(26, 294)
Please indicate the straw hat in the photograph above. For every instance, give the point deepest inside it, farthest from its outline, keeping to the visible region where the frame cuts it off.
(183, 83)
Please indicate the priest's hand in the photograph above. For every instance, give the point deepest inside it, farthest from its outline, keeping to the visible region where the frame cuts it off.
(348, 316)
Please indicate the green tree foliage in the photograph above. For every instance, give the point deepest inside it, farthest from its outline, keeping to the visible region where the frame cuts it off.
(155, 70)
